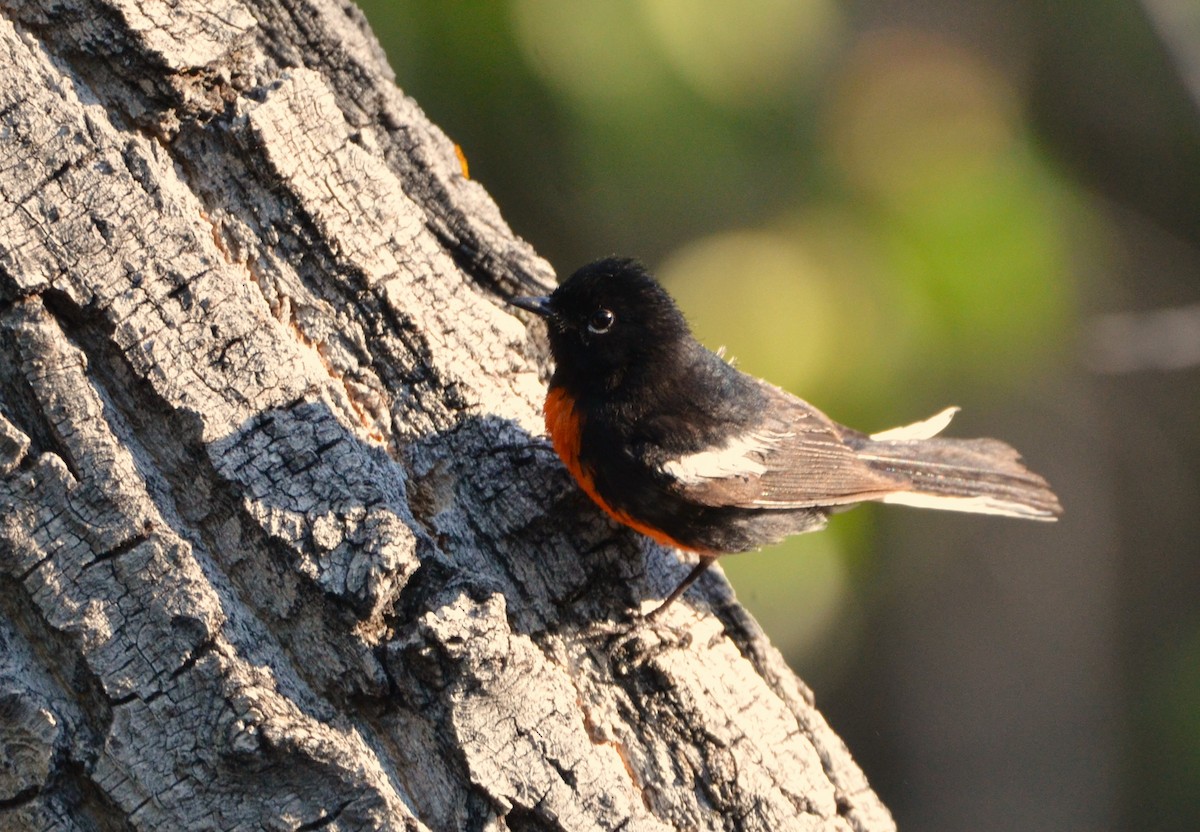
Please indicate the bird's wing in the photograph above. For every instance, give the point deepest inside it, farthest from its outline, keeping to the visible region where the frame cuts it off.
(793, 456)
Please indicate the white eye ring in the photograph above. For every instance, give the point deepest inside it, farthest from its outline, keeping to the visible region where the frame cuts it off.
(601, 321)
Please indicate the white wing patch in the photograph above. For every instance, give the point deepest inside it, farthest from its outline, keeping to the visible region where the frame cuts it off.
(734, 459)
(926, 429)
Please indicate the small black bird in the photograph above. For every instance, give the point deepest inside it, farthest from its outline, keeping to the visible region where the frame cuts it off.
(671, 440)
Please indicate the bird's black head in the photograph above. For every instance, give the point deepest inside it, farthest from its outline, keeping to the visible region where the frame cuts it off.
(607, 322)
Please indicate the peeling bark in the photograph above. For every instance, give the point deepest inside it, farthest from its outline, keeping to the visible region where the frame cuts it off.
(281, 545)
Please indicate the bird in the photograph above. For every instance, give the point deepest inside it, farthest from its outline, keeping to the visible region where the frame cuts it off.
(673, 441)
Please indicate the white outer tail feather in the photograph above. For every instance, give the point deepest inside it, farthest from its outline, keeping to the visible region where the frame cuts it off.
(972, 505)
(980, 476)
(925, 429)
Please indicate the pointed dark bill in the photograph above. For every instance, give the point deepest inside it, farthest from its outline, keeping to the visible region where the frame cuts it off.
(537, 305)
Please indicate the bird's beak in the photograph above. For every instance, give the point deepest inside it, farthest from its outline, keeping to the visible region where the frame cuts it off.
(539, 306)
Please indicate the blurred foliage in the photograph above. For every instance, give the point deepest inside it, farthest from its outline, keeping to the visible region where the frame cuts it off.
(1175, 720)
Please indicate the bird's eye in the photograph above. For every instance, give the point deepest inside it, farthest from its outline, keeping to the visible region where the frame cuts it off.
(601, 321)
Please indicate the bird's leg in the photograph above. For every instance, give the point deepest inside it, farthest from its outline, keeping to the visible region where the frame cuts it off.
(698, 570)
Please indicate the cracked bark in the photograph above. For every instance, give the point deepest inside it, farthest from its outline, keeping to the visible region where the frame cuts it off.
(280, 544)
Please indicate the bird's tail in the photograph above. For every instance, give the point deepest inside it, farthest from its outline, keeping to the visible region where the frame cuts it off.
(984, 476)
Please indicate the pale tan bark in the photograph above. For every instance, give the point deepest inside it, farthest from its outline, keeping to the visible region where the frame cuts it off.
(280, 544)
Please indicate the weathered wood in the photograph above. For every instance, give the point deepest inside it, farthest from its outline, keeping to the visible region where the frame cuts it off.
(280, 544)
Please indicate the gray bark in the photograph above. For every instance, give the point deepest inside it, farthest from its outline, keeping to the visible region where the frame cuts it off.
(281, 545)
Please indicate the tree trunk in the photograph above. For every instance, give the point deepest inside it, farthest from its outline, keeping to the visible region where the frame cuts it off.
(281, 545)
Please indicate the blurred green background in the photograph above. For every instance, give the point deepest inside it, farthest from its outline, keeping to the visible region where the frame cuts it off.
(889, 207)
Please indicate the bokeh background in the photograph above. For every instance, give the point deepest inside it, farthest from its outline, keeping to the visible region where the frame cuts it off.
(889, 206)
